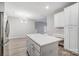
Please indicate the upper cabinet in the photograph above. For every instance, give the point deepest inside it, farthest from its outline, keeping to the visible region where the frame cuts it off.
(71, 15)
(71, 29)
(59, 19)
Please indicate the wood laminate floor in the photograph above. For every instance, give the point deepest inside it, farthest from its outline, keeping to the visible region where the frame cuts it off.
(17, 47)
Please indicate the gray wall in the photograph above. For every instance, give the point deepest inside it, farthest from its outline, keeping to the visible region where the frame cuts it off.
(50, 25)
(40, 27)
(18, 29)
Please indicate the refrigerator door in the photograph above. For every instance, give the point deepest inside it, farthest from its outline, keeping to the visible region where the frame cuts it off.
(1, 33)
(4, 41)
(6, 35)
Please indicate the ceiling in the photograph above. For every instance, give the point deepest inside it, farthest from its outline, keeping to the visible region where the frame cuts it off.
(33, 10)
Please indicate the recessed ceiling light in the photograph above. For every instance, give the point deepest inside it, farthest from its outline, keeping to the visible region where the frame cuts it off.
(23, 21)
(47, 7)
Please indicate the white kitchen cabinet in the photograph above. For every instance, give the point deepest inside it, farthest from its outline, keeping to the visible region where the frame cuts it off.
(59, 19)
(66, 38)
(48, 50)
(41, 45)
(71, 38)
(71, 29)
(67, 16)
(74, 13)
(33, 48)
(71, 15)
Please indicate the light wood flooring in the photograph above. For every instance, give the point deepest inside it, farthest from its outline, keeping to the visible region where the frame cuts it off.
(17, 47)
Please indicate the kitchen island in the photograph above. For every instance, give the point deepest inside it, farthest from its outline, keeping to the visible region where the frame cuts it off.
(42, 45)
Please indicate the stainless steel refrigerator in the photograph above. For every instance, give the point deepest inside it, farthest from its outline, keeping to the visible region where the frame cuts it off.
(4, 32)
(1, 33)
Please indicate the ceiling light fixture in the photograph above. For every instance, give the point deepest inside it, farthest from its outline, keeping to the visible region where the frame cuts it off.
(23, 21)
(47, 7)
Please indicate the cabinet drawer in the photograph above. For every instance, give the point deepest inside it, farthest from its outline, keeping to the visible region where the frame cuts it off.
(36, 46)
(36, 53)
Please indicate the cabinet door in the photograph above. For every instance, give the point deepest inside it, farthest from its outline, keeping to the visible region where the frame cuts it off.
(32, 50)
(35, 49)
(36, 53)
(74, 14)
(66, 38)
(67, 16)
(29, 46)
(59, 19)
(71, 15)
(73, 39)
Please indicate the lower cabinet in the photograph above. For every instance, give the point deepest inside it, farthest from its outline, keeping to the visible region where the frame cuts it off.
(74, 40)
(66, 38)
(34, 49)
(71, 40)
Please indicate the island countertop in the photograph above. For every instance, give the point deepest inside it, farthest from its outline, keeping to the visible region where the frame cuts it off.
(42, 39)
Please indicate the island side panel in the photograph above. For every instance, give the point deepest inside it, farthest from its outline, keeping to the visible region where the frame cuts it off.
(50, 49)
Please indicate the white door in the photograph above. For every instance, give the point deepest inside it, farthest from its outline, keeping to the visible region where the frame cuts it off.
(66, 38)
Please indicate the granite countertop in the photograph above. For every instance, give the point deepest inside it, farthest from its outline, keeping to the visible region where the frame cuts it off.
(42, 39)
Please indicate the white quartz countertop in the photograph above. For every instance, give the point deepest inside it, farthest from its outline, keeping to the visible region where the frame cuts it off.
(42, 39)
